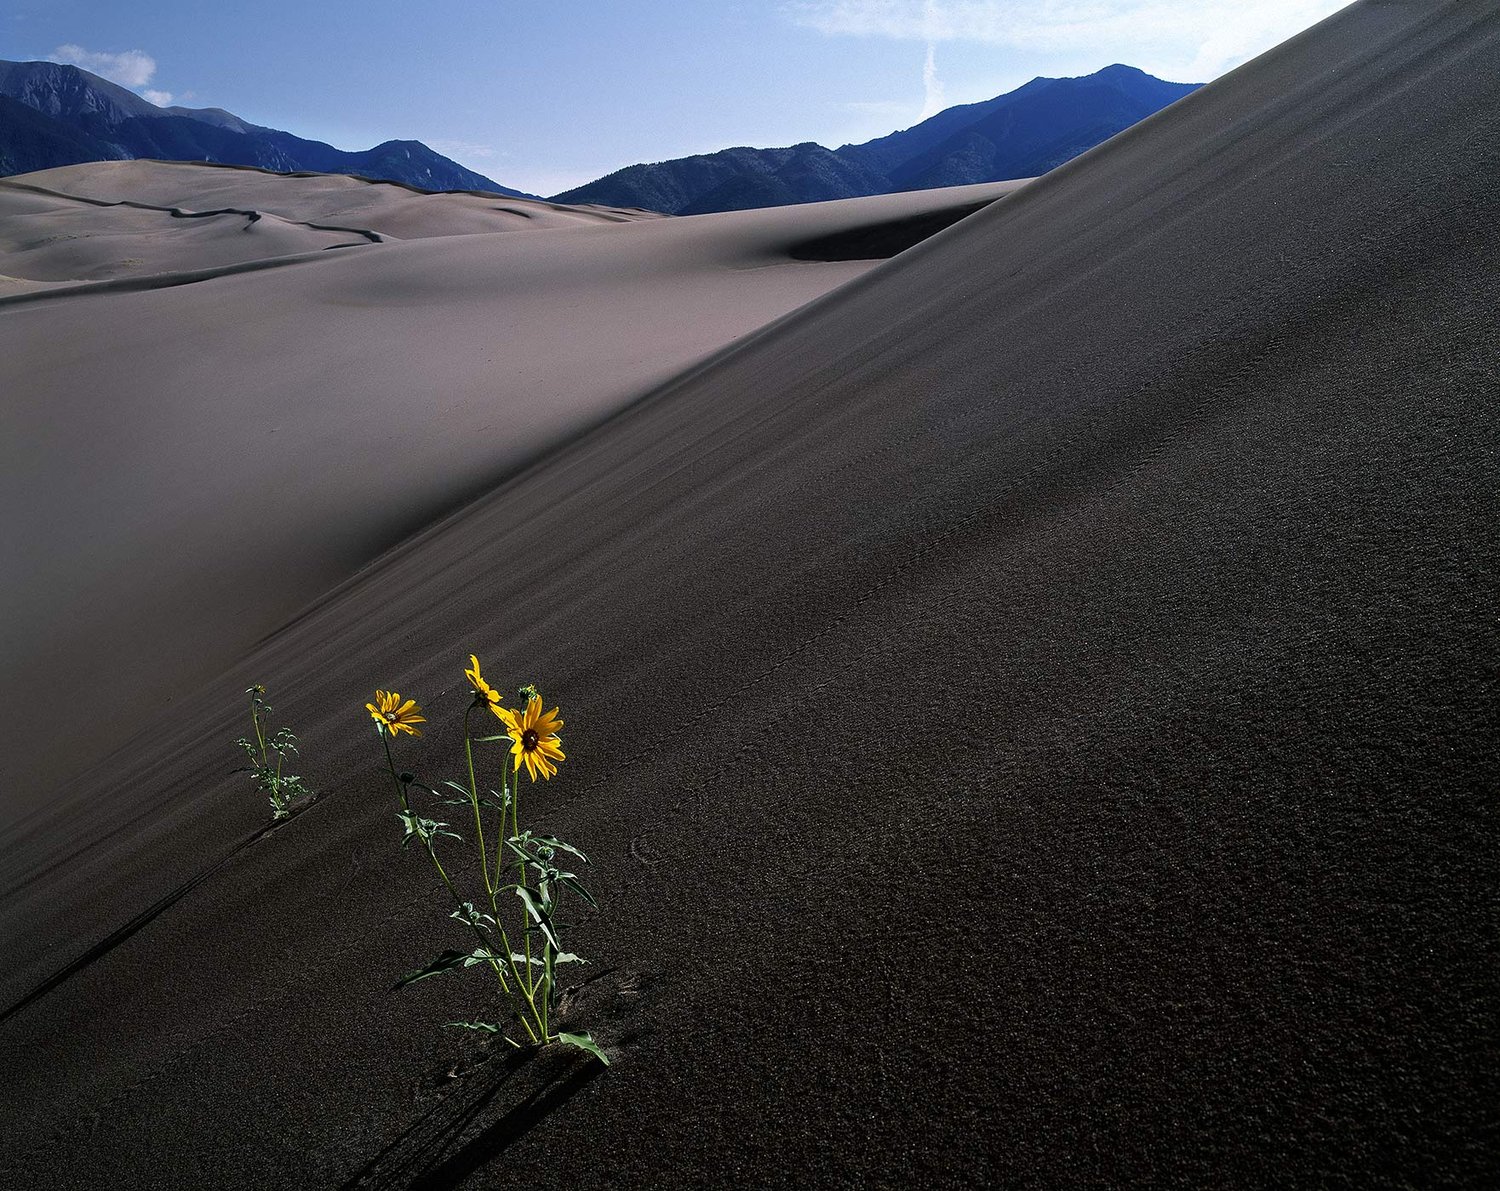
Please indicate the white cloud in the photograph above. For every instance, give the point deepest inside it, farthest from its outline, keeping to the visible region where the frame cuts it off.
(130, 68)
(162, 99)
(933, 99)
(1198, 39)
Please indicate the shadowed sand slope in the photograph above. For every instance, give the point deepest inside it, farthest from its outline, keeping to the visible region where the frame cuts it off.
(1033, 712)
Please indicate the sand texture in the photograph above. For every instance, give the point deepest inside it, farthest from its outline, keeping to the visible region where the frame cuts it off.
(1033, 708)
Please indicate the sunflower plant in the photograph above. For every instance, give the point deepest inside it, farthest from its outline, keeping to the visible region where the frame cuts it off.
(519, 879)
(271, 780)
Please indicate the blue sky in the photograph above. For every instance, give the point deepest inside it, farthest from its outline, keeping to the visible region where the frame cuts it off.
(543, 96)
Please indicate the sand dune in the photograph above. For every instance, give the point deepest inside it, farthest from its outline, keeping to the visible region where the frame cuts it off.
(230, 429)
(396, 211)
(47, 238)
(109, 220)
(1033, 710)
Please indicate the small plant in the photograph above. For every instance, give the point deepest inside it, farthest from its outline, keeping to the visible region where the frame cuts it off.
(515, 919)
(280, 787)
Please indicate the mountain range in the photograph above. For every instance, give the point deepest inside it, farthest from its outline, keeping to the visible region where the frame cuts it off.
(53, 115)
(1021, 134)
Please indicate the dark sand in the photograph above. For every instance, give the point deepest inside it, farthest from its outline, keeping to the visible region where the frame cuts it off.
(1034, 713)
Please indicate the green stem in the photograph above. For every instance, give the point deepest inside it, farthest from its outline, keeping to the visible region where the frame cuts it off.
(500, 858)
(529, 986)
(515, 831)
(547, 997)
(524, 983)
(484, 853)
(260, 737)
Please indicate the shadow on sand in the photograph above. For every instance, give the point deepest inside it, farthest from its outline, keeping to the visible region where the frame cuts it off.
(157, 908)
(442, 1147)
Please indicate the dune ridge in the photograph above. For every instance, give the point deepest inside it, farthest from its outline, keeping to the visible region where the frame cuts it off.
(1033, 711)
(396, 210)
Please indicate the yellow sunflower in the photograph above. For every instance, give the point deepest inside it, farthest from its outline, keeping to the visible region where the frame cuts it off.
(394, 716)
(534, 737)
(484, 694)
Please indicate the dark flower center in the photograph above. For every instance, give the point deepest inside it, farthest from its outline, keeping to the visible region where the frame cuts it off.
(528, 741)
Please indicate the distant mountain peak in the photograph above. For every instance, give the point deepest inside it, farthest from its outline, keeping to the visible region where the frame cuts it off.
(75, 116)
(1025, 132)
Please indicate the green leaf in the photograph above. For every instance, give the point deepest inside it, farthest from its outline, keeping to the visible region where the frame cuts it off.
(467, 913)
(569, 881)
(567, 957)
(482, 1026)
(538, 914)
(446, 962)
(519, 851)
(425, 830)
(584, 1042)
(553, 842)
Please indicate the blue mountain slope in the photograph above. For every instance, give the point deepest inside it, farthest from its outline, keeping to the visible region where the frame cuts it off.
(32, 140)
(73, 112)
(1017, 135)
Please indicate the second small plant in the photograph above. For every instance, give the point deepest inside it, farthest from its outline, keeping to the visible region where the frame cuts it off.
(272, 780)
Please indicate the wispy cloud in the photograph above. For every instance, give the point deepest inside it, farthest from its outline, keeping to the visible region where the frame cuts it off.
(933, 99)
(1205, 37)
(162, 99)
(130, 68)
